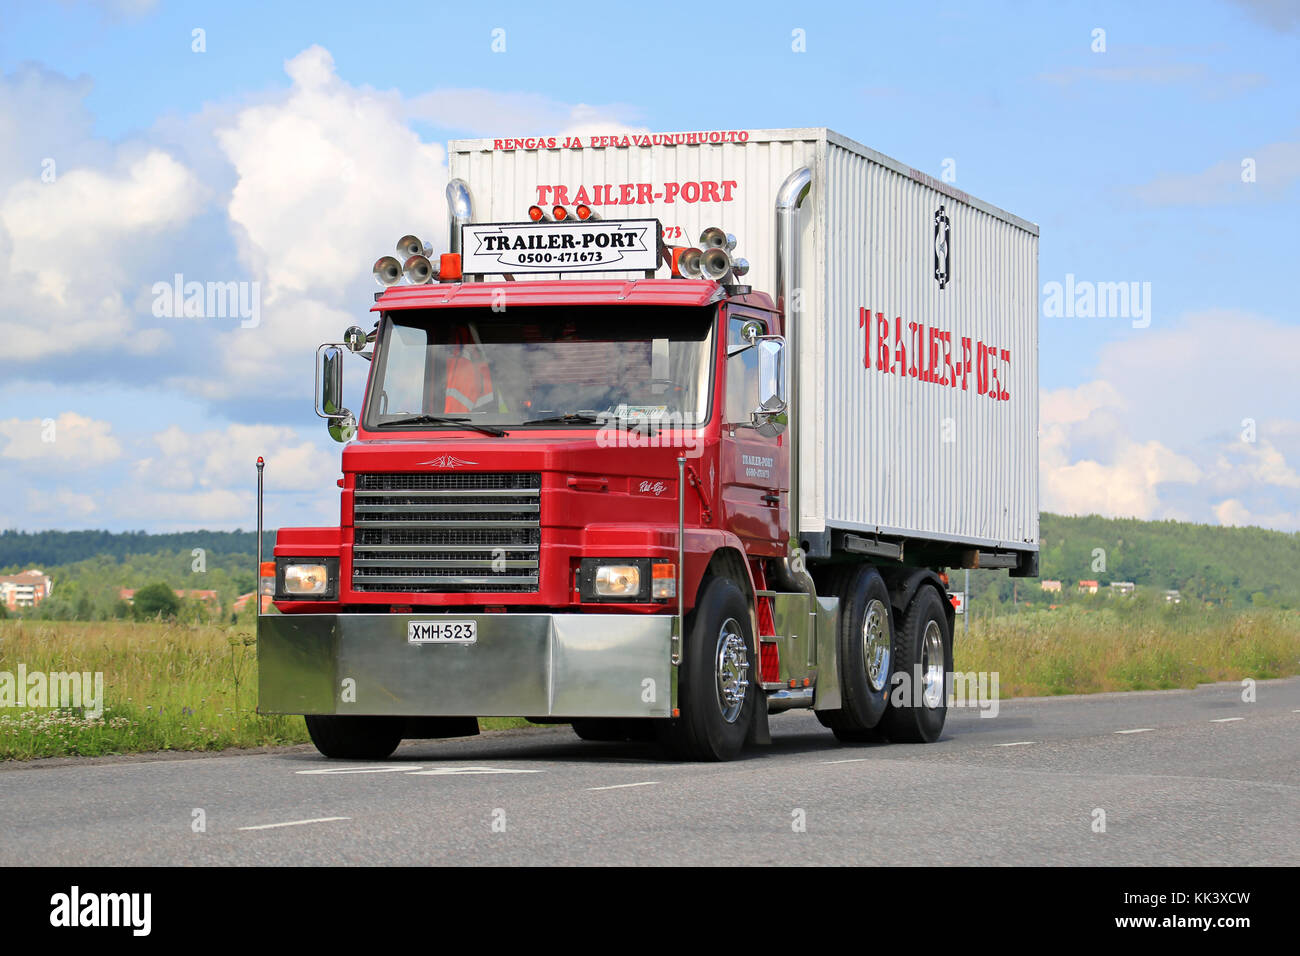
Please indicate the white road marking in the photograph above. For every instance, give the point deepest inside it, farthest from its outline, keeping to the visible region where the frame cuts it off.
(454, 771)
(356, 770)
(849, 760)
(621, 786)
(1139, 730)
(1225, 720)
(1018, 743)
(295, 823)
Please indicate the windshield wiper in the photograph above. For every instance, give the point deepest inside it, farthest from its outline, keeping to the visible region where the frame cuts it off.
(580, 418)
(444, 420)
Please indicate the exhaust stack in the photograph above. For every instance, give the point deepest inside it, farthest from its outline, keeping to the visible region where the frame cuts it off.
(789, 199)
(460, 210)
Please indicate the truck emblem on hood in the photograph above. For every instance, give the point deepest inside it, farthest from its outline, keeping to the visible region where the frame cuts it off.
(447, 461)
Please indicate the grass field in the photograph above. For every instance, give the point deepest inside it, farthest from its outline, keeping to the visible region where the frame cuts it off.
(174, 686)
(1075, 651)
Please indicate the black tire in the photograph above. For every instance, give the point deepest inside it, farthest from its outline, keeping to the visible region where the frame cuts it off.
(866, 653)
(917, 711)
(355, 738)
(866, 638)
(714, 719)
(611, 729)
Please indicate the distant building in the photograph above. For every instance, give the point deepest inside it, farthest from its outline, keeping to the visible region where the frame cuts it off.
(1121, 587)
(244, 600)
(207, 597)
(1173, 597)
(1053, 586)
(27, 589)
(1088, 587)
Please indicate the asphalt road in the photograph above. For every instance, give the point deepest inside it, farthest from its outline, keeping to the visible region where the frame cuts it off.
(1183, 777)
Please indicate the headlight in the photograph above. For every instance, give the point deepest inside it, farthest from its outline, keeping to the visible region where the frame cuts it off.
(641, 580)
(306, 578)
(618, 580)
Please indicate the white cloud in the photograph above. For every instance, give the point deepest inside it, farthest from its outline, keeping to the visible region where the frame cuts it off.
(1067, 406)
(492, 113)
(211, 509)
(1232, 512)
(1199, 421)
(328, 179)
(70, 439)
(221, 458)
(1280, 15)
(77, 225)
(1128, 486)
(65, 504)
(1276, 167)
(1213, 83)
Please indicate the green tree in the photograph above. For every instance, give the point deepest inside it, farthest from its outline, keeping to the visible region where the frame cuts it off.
(154, 600)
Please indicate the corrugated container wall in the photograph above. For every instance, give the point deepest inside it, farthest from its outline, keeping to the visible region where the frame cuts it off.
(880, 451)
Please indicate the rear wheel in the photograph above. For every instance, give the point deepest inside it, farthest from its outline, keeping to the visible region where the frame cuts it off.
(355, 738)
(716, 696)
(923, 652)
(866, 639)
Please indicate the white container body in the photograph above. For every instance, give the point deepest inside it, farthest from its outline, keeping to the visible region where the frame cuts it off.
(908, 455)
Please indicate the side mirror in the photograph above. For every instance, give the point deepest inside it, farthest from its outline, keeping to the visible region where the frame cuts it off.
(771, 375)
(355, 338)
(770, 418)
(329, 393)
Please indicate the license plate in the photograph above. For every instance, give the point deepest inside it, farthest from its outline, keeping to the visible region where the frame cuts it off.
(441, 632)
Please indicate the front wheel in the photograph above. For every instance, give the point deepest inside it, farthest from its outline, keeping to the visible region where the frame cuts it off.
(716, 695)
(355, 738)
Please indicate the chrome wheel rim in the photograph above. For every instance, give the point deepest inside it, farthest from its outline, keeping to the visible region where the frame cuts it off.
(731, 665)
(876, 644)
(932, 665)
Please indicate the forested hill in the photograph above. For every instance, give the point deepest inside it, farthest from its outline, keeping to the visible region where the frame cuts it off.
(46, 549)
(1210, 562)
(1236, 566)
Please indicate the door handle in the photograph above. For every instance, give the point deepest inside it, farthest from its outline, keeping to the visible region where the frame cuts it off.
(772, 499)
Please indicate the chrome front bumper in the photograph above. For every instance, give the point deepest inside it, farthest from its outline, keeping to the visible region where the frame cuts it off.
(522, 665)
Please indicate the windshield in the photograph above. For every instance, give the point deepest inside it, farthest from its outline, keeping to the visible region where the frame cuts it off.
(542, 365)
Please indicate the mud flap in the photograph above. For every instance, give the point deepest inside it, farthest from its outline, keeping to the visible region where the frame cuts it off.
(759, 735)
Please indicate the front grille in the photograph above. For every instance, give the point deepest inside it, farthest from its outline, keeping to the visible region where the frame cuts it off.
(446, 532)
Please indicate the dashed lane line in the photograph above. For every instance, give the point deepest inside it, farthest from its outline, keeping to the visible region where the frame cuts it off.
(623, 786)
(295, 823)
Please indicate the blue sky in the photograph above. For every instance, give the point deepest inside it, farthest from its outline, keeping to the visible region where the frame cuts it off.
(1128, 158)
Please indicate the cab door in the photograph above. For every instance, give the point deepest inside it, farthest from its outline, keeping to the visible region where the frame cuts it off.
(754, 469)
